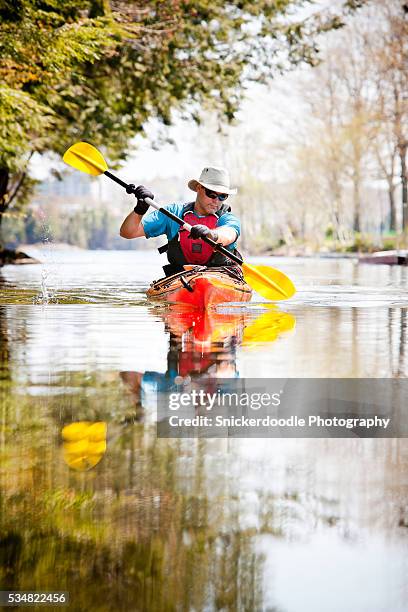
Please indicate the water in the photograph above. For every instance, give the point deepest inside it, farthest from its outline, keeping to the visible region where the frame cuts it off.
(194, 524)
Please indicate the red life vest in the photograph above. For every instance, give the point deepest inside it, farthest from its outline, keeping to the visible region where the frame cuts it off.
(196, 251)
(180, 249)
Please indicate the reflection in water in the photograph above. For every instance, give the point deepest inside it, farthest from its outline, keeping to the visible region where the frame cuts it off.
(197, 524)
(4, 348)
(138, 532)
(144, 529)
(268, 326)
(402, 343)
(203, 347)
(84, 444)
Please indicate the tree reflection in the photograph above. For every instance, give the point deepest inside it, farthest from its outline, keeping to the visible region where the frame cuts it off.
(145, 528)
(140, 531)
(161, 524)
(5, 374)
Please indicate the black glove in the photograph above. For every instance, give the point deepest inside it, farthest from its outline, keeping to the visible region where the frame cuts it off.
(202, 231)
(141, 193)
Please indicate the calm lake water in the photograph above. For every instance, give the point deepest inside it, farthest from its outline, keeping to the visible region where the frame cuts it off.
(134, 522)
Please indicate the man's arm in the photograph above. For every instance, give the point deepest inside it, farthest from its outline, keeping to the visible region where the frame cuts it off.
(226, 235)
(132, 226)
(222, 235)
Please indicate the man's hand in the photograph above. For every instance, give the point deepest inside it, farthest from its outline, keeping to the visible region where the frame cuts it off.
(202, 231)
(141, 193)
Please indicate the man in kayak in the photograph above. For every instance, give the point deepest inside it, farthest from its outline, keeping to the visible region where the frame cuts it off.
(209, 215)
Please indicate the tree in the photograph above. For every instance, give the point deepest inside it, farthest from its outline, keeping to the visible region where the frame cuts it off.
(391, 58)
(42, 47)
(353, 72)
(96, 70)
(371, 69)
(357, 127)
(325, 137)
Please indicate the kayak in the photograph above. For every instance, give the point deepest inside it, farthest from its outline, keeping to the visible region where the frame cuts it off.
(200, 288)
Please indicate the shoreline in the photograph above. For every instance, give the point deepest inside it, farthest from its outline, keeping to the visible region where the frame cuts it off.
(16, 257)
(21, 256)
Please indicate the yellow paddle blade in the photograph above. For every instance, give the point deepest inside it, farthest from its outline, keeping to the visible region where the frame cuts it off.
(97, 431)
(267, 327)
(86, 158)
(84, 444)
(268, 282)
(75, 431)
(82, 463)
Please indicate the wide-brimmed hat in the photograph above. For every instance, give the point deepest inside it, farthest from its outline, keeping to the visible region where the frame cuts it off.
(215, 178)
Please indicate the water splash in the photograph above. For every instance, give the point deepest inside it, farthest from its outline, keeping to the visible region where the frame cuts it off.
(47, 295)
(48, 273)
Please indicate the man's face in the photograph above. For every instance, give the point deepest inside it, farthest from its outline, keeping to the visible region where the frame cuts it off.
(205, 205)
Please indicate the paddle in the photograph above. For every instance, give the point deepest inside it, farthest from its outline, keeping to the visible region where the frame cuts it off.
(268, 282)
(267, 327)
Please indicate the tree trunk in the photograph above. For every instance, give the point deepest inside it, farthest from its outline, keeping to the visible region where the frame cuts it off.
(335, 190)
(393, 210)
(404, 179)
(356, 173)
(4, 180)
(356, 203)
(4, 183)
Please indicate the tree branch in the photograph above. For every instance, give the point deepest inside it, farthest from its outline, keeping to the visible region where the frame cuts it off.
(19, 182)
(17, 188)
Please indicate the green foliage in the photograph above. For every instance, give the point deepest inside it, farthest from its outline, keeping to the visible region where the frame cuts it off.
(362, 243)
(389, 244)
(87, 228)
(21, 115)
(97, 70)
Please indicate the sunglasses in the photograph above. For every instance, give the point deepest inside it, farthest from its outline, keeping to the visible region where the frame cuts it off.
(215, 196)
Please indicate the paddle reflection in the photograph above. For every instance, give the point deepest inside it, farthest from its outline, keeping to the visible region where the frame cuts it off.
(84, 444)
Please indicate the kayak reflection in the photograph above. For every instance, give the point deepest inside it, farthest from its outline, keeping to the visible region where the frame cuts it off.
(202, 349)
(203, 346)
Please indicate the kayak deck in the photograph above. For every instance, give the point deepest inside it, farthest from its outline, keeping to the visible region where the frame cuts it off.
(201, 288)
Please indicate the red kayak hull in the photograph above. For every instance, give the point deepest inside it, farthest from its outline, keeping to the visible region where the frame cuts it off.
(200, 290)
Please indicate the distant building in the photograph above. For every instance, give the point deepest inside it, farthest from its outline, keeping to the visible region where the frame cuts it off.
(73, 185)
(70, 194)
